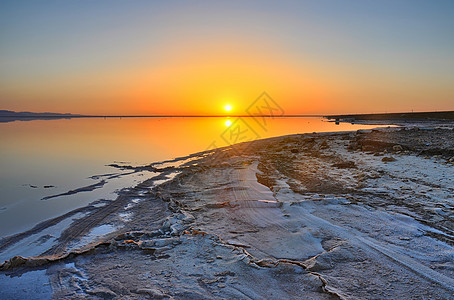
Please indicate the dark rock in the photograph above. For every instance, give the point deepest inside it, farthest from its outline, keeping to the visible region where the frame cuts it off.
(153, 293)
(225, 273)
(388, 159)
(345, 165)
(102, 292)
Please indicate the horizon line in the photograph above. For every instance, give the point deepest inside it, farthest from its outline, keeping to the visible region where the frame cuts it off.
(69, 115)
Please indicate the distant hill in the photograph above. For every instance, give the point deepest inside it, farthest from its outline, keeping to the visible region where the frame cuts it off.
(10, 116)
(26, 114)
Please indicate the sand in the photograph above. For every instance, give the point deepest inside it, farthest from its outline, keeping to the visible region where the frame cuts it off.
(352, 215)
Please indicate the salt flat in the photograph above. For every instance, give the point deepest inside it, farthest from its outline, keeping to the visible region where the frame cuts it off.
(354, 215)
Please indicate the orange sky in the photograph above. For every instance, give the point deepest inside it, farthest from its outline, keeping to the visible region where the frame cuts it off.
(186, 60)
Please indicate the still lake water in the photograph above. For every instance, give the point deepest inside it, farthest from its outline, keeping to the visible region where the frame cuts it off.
(40, 158)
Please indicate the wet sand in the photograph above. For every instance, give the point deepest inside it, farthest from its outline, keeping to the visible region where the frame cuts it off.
(354, 215)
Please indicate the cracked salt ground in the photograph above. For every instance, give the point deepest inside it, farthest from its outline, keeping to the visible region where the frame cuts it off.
(125, 217)
(179, 162)
(309, 229)
(101, 231)
(167, 178)
(94, 234)
(92, 195)
(38, 243)
(383, 233)
(187, 265)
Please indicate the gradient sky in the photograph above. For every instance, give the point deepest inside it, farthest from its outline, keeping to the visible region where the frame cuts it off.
(193, 57)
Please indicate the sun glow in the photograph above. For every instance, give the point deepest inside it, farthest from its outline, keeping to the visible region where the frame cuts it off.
(228, 107)
(228, 123)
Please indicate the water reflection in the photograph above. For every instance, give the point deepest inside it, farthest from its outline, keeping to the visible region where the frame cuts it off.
(48, 157)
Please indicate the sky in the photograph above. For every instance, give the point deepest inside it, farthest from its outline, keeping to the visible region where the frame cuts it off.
(195, 57)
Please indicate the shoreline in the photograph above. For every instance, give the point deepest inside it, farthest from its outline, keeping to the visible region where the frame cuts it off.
(432, 118)
(310, 207)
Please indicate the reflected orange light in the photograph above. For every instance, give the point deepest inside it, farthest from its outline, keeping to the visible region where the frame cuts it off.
(228, 123)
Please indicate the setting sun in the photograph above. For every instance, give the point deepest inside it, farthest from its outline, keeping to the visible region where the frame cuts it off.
(228, 107)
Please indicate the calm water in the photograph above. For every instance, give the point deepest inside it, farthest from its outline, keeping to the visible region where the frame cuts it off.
(47, 157)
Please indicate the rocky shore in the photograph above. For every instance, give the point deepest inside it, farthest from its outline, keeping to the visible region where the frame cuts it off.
(349, 215)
